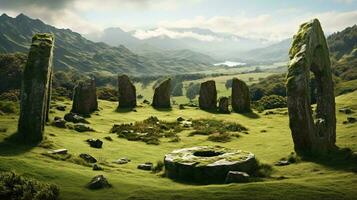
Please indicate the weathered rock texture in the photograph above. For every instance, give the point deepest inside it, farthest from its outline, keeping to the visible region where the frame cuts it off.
(208, 95)
(85, 97)
(240, 96)
(207, 164)
(223, 105)
(36, 89)
(162, 95)
(309, 52)
(127, 92)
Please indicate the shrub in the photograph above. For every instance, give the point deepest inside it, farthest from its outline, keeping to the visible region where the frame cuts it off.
(8, 107)
(11, 95)
(106, 93)
(13, 186)
(272, 101)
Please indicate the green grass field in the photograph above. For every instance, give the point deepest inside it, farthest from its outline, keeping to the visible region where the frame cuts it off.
(321, 179)
(147, 92)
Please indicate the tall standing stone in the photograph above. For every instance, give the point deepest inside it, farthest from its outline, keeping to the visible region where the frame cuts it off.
(85, 97)
(208, 95)
(162, 95)
(223, 105)
(36, 89)
(127, 92)
(240, 96)
(309, 52)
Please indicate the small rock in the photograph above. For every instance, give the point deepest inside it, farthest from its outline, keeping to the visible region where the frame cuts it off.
(108, 138)
(146, 166)
(263, 131)
(88, 158)
(59, 123)
(186, 124)
(97, 167)
(57, 118)
(61, 108)
(282, 163)
(98, 182)
(181, 107)
(351, 120)
(122, 161)
(237, 177)
(58, 151)
(180, 119)
(345, 110)
(72, 117)
(95, 143)
(82, 128)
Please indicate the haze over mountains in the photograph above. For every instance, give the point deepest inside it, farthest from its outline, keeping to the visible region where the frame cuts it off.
(221, 46)
(74, 52)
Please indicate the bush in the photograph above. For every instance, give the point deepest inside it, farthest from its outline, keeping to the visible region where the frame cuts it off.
(272, 101)
(11, 95)
(13, 186)
(8, 107)
(106, 93)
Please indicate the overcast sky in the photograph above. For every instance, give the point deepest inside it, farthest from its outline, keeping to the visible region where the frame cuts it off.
(268, 19)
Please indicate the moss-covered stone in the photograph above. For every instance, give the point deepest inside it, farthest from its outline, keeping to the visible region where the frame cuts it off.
(36, 89)
(309, 52)
(85, 97)
(207, 164)
(240, 96)
(208, 95)
(162, 95)
(127, 92)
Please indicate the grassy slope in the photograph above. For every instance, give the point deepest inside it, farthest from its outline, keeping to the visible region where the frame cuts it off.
(305, 180)
(220, 85)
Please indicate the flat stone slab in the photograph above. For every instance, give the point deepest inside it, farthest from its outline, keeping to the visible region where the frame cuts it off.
(58, 151)
(207, 164)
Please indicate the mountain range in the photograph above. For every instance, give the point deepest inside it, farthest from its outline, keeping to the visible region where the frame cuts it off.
(74, 52)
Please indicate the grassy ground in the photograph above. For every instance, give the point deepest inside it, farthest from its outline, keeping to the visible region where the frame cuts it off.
(249, 78)
(321, 179)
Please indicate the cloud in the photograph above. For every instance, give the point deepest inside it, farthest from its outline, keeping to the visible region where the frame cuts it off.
(345, 1)
(49, 4)
(266, 27)
(161, 32)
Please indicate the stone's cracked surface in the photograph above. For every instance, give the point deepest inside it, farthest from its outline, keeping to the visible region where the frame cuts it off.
(127, 92)
(85, 97)
(309, 52)
(240, 96)
(162, 95)
(208, 96)
(205, 164)
(36, 89)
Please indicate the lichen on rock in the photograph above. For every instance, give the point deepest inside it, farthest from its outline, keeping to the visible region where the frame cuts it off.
(309, 53)
(207, 164)
(36, 88)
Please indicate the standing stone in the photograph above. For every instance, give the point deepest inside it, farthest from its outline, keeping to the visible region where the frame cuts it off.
(162, 95)
(208, 95)
(240, 96)
(36, 89)
(127, 92)
(309, 52)
(223, 105)
(85, 97)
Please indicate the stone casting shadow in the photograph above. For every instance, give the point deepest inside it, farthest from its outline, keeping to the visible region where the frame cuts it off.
(163, 109)
(339, 159)
(124, 110)
(11, 146)
(251, 115)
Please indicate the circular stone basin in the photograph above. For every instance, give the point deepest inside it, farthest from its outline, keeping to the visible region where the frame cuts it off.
(207, 164)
